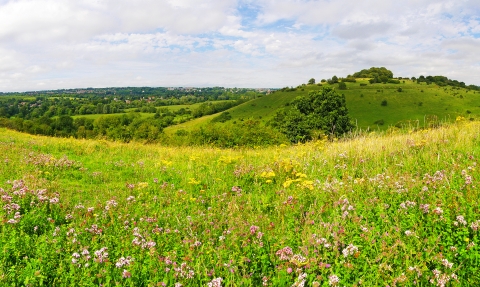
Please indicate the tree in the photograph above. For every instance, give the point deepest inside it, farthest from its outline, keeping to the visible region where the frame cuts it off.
(311, 81)
(323, 111)
(335, 79)
(342, 86)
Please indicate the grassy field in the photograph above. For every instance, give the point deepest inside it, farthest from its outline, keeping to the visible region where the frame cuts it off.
(417, 104)
(397, 210)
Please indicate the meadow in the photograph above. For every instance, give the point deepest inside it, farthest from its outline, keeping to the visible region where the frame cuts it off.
(396, 209)
(417, 104)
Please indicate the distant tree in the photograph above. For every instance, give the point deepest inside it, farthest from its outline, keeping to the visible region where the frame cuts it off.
(323, 80)
(342, 86)
(384, 103)
(374, 72)
(335, 79)
(323, 111)
(311, 81)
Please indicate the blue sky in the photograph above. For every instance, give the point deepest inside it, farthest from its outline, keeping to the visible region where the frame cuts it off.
(53, 44)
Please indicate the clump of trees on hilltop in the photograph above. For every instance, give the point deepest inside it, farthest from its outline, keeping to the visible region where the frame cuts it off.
(377, 75)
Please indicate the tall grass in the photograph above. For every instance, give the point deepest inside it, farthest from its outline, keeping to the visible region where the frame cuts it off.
(377, 210)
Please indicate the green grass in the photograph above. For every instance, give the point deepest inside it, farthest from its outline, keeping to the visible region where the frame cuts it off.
(376, 210)
(409, 106)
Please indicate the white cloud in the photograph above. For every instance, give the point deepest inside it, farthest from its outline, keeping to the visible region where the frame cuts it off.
(272, 43)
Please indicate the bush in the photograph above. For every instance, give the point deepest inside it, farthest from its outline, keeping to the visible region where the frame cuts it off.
(384, 103)
(323, 111)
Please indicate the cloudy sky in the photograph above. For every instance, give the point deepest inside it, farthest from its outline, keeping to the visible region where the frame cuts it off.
(53, 44)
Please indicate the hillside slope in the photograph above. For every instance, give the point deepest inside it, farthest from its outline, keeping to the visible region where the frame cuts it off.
(416, 104)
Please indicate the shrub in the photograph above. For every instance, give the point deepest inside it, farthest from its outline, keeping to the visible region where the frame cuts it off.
(384, 103)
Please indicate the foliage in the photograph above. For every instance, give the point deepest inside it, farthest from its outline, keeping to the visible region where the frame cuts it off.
(398, 210)
(311, 81)
(323, 110)
(375, 73)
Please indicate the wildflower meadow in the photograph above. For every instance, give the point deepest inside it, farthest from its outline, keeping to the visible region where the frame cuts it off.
(377, 210)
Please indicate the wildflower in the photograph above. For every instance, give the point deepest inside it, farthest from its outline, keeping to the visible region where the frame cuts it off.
(265, 281)
(300, 282)
(197, 243)
(447, 264)
(124, 262)
(461, 220)
(217, 282)
(12, 221)
(184, 271)
(408, 233)
(349, 250)
(68, 217)
(254, 229)
(54, 200)
(285, 253)
(424, 207)
(474, 225)
(333, 280)
(299, 260)
(101, 255)
(468, 180)
(126, 274)
(438, 211)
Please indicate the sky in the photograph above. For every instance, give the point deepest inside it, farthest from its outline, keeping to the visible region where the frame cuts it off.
(57, 44)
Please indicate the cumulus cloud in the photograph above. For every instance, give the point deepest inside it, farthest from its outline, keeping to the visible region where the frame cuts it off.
(262, 43)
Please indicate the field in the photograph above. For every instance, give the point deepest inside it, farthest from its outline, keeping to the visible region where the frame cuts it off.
(417, 104)
(378, 210)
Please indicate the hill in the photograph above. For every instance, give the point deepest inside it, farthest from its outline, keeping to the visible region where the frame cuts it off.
(375, 210)
(418, 104)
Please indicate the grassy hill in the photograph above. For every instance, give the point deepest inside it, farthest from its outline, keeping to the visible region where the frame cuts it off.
(373, 211)
(417, 104)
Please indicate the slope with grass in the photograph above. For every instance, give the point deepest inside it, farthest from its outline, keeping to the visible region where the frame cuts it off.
(373, 211)
(417, 105)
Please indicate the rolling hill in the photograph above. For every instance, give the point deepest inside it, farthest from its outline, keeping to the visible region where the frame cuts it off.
(416, 104)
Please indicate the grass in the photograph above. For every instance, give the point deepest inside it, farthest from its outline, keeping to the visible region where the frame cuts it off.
(417, 103)
(377, 210)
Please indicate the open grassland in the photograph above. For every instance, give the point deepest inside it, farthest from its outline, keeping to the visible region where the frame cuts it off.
(396, 210)
(416, 104)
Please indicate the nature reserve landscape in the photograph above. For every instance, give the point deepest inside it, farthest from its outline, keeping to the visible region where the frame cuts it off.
(232, 143)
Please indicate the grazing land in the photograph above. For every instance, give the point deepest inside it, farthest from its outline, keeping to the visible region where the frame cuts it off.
(417, 104)
(378, 210)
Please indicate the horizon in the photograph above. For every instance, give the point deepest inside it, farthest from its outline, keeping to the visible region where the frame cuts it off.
(54, 45)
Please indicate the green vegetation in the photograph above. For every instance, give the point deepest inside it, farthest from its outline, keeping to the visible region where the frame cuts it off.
(162, 114)
(397, 210)
(323, 112)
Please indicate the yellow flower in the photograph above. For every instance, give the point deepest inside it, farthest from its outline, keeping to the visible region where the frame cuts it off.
(193, 181)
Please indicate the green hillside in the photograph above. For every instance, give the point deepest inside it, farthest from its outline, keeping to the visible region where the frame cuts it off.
(416, 103)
